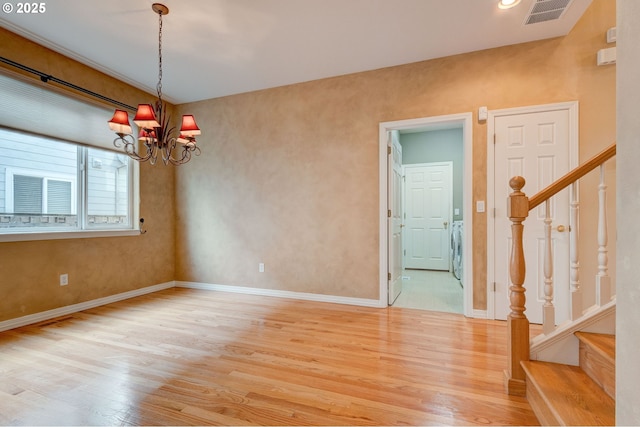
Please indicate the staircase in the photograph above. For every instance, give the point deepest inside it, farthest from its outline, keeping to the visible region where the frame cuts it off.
(568, 372)
(575, 395)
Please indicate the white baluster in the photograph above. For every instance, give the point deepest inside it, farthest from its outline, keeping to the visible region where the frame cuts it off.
(574, 279)
(548, 310)
(603, 281)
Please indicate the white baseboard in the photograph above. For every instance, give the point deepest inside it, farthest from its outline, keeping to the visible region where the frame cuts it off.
(480, 314)
(62, 311)
(69, 309)
(283, 294)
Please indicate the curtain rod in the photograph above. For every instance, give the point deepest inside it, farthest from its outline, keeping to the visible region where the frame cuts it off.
(47, 77)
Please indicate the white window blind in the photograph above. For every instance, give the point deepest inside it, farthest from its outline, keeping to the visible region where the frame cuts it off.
(35, 108)
(27, 193)
(58, 197)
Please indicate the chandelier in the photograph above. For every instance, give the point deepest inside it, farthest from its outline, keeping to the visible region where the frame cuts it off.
(155, 134)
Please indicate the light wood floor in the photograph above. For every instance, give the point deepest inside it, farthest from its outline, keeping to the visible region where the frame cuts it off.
(184, 357)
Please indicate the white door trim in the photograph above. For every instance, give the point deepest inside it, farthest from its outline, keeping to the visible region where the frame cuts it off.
(464, 119)
(572, 108)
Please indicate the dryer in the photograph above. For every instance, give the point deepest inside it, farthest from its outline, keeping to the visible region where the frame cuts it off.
(456, 249)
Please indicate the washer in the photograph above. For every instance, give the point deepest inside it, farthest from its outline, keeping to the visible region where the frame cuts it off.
(456, 249)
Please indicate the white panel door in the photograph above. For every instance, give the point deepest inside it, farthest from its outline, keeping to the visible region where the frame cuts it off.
(428, 200)
(395, 218)
(535, 146)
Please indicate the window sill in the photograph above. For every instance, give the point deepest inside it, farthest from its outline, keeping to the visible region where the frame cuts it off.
(57, 235)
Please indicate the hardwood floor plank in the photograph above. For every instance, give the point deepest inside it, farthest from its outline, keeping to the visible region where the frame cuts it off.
(194, 357)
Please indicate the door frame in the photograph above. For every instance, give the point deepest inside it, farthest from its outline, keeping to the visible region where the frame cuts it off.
(465, 121)
(572, 108)
(449, 164)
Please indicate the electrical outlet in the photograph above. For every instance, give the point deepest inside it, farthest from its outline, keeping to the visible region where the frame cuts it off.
(261, 267)
(64, 279)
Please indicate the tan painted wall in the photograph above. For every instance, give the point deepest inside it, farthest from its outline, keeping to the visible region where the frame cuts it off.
(96, 267)
(289, 176)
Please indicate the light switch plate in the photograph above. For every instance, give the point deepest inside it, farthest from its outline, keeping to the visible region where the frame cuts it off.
(482, 113)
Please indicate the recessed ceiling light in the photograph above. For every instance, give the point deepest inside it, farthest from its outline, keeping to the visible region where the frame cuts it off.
(506, 4)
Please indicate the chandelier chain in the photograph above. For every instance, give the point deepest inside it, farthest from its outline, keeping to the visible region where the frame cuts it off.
(159, 85)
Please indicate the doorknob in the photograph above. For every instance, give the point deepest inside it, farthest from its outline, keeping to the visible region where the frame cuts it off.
(562, 228)
(446, 224)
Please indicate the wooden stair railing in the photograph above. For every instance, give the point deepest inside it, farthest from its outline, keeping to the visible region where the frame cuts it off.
(518, 208)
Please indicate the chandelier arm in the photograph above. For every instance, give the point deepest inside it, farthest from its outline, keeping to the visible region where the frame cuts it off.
(167, 150)
(171, 149)
(152, 161)
(152, 151)
(184, 159)
(187, 149)
(128, 144)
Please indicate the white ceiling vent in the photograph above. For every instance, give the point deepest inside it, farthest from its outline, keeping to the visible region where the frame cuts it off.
(546, 10)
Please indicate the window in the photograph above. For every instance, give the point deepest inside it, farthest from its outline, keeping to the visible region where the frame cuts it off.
(48, 185)
(60, 175)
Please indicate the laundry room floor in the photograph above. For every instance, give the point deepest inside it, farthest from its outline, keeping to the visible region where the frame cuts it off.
(430, 290)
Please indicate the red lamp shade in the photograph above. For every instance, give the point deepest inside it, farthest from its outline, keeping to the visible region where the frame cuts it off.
(186, 140)
(145, 136)
(119, 123)
(146, 117)
(189, 126)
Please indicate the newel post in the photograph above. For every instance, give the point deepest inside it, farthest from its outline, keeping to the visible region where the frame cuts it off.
(517, 322)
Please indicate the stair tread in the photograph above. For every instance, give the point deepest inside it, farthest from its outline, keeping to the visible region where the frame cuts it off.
(572, 397)
(603, 343)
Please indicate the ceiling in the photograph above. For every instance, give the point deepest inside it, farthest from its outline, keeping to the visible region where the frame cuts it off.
(214, 48)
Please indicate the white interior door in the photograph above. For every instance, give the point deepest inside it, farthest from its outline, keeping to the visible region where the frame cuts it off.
(536, 146)
(395, 217)
(428, 199)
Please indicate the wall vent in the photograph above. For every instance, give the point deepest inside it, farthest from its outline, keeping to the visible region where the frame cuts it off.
(546, 10)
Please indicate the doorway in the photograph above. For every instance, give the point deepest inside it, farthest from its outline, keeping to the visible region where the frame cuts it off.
(462, 121)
